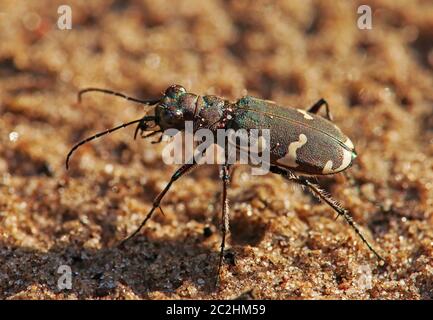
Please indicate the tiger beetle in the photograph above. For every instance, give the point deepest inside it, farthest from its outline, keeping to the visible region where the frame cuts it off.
(303, 143)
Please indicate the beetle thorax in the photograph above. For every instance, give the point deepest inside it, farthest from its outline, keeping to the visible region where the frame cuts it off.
(178, 106)
(211, 111)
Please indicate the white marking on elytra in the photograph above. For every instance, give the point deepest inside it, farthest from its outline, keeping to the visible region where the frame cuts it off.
(349, 144)
(328, 167)
(347, 159)
(306, 115)
(290, 158)
(270, 101)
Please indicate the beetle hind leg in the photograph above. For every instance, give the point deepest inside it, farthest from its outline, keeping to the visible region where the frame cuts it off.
(316, 107)
(225, 177)
(325, 197)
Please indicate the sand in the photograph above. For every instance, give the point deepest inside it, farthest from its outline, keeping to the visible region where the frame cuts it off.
(284, 244)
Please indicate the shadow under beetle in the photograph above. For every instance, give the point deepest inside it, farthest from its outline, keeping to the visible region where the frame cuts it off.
(302, 143)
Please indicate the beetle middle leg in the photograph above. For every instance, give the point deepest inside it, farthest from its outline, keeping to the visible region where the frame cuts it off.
(225, 219)
(157, 202)
(316, 107)
(322, 195)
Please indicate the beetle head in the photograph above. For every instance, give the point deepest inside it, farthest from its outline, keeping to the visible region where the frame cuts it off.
(175, 107)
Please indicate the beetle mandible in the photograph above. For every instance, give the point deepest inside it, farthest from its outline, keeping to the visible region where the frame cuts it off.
(303, 143)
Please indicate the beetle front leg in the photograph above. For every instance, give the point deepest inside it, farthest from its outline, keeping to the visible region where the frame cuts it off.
(316, 107)
(322, 195)
(225, 177)
(157, 201)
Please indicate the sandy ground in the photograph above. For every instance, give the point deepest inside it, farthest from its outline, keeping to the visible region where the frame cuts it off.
(283, 244)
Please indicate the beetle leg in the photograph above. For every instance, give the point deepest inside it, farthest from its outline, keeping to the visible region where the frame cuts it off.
(339, 209)
(147, 135)
(316, 107)
(157, 201)
(225, 177)
(159, 139)
(324, 196)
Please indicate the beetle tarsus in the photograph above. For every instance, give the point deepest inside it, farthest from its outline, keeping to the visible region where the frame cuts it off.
(156, 203)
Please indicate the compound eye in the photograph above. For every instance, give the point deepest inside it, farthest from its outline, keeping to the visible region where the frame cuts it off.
(175, 91)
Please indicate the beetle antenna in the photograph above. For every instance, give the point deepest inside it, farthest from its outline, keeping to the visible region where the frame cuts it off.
(118, 94)
(100, 134)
